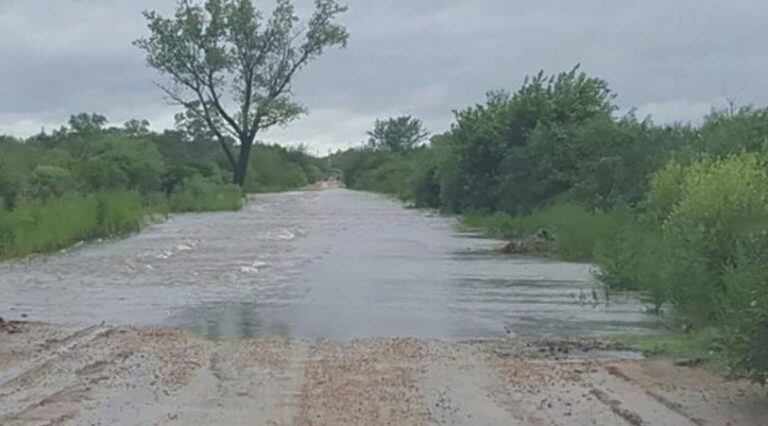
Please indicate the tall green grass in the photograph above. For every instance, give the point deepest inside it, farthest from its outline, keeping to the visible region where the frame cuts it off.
(45, 226)
(579, 234)
(200, 195)
(36, 227)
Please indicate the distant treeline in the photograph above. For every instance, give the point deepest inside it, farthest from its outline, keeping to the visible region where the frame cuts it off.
(88, 180)
(678, 212)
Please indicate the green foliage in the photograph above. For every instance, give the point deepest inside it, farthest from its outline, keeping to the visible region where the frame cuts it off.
(727, 132)
(104, 181)
(113, 162)
(745, 311)
(510, 152)
(704, 344)
(703, 220)
(356, 162)
(407, 177)
(49, 181)
(610, 162)
(136, 127)
(231, 67)
(677, 213)
(392, 177)
(10, 186)
(579, 234)
(499, 225)
(706, 255)
(87, 124)
(500, 155)
(399, 135)
(276, 169)
(425, 186)
(36, 227)
(198, 194)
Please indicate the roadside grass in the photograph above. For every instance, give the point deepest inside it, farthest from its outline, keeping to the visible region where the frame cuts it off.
(204, 196)
(579, 234)
(36, 226)
(39, 227)
(703, 346)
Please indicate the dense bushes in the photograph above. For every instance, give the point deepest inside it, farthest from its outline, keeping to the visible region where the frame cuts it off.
(555, 138)
(679, 213)
(745, 308)
(274, 168)
(198, 194)
(88, 181)
(708, 258)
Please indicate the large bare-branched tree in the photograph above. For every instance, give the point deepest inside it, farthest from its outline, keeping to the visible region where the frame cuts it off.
(232, 67)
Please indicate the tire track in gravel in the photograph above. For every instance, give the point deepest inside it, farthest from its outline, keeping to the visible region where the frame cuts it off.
(169, 377)
(253, 382)
(49, 385)
(363, 382)
(458, 387)
(49, 352)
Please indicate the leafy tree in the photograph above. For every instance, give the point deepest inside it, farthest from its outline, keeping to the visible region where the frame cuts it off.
(730, 132)
(514, 152)
(233, 69)
(10, 186)
(87, 124)
(136, 127)
(400, 134)
(113, 162)
(50, 181)
(195, 129)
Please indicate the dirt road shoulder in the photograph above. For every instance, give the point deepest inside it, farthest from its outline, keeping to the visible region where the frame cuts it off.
(104, 375)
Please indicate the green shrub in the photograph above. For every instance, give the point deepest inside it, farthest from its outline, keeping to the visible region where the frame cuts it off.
(50, 181)
(745, 309)
(111, 162)
(495, 225)
(10, 186)
(198, 194)
(392, 177)
(578, 232)
(117, 213)
(728, 132)
(702, 217)
(703, 249)
(272, 170)
(425, 188)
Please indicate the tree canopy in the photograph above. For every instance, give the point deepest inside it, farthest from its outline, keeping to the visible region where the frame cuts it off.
(231, 67)
(399, 134)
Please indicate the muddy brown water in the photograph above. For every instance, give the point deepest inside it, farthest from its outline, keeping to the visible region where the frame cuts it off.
(333, 264)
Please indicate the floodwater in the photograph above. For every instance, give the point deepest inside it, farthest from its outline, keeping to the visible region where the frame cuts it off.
(333, 264)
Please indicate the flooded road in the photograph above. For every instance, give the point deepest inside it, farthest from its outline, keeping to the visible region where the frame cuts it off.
(334, 264)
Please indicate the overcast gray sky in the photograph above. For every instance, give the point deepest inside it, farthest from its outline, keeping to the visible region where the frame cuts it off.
(672, 59)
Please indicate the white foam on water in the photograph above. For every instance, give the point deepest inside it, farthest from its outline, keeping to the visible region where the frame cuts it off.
(249, 270)
(280, 235)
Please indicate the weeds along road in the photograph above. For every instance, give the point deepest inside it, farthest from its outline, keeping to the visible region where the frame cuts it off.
(331, 308)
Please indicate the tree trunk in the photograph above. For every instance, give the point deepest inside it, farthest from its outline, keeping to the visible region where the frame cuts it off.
(241, 169)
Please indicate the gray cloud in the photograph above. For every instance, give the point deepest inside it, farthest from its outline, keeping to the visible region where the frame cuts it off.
(673, 60)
